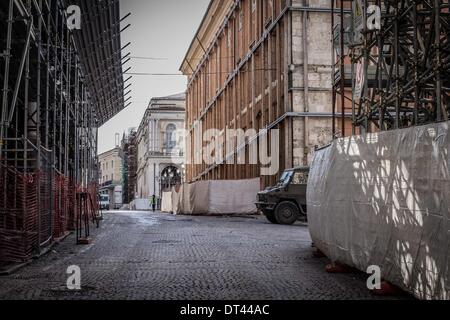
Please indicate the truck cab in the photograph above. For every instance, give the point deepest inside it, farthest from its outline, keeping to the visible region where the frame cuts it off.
(103, 201)
(118, 197)
(285, 203)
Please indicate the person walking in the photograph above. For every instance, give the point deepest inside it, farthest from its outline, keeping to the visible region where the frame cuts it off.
(153, 203)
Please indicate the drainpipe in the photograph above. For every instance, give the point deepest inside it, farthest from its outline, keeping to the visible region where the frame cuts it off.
(306, 81)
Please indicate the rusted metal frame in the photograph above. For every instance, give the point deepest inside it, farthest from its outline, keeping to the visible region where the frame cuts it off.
(241, 64)
(417, 93)
(263, 132)
(342, 65)
(353, 102)
(238, 84)
(287, 59)
(380, 92)
(306, 81)
(333, 63)
(218, 34)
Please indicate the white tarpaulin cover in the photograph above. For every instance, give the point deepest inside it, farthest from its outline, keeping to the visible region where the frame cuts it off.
(166, 202)
(140, 204)
(384, 200)
(217, 197)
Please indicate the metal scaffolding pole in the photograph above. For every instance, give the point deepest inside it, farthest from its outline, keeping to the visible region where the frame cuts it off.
(401, 69)
(58, 87)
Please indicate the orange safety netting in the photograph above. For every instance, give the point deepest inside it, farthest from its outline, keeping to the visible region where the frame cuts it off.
(19, 221)
(36, 209)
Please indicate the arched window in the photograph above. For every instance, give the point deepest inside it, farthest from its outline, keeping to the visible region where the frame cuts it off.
(171, 139)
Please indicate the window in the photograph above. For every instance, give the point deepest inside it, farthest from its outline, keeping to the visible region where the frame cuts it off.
(300, 178)
(241, 20)
(112, 164)
(285, 178)
(171, 139)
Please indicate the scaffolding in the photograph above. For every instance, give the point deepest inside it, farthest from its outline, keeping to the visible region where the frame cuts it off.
(392, 72)
(128, 154)
(265, 67)
(58, 86)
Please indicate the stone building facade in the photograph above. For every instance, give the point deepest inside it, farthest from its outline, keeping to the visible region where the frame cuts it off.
(110, 164)
(110, 176)
(160, 146)
(259, 64)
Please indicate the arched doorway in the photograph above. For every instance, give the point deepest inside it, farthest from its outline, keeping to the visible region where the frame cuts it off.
(170, 177)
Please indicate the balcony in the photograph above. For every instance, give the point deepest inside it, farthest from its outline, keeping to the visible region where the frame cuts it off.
(168, 150)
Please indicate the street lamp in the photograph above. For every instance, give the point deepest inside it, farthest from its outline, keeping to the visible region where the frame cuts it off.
(165, 178)
(183, 173)
(171, 175)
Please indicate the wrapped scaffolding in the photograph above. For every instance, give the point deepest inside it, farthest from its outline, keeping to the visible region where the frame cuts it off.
(378, 197)
(391, 64)
(58, 86)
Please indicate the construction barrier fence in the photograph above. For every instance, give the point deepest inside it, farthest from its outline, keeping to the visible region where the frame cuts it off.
(36, 209)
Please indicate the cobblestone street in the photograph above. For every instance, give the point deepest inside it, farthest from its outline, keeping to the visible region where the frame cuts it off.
(154, 256)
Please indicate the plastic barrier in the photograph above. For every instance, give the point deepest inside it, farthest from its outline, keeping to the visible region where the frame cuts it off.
(217, 197)
(384, 200)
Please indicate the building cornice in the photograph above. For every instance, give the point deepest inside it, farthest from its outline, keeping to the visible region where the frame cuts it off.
(209, 26)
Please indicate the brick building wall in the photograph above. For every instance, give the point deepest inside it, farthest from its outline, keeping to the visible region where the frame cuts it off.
(248, 71)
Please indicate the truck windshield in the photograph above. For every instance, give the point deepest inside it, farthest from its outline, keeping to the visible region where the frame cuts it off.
(104, 198)
(285, 178)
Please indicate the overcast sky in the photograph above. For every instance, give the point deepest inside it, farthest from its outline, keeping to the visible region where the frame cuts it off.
(159, 29)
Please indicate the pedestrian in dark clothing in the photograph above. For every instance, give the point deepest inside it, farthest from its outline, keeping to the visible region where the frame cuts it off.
(153, 202)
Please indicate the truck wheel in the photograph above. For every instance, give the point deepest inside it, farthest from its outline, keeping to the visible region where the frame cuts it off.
(304, 210)
(286, 213)
(271, 217)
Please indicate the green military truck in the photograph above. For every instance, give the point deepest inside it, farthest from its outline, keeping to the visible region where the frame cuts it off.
(285, 203)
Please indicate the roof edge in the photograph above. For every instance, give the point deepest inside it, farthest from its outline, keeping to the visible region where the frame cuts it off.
(197, 33)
